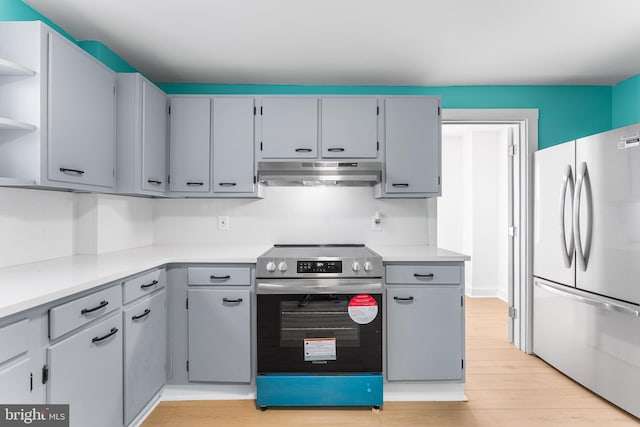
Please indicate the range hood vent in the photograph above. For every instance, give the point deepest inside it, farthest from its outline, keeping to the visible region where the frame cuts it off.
(325, 173)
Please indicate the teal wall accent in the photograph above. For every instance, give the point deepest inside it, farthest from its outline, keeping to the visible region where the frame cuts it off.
(625, 102)
(102, 53)
(565, 112)
(17, 10)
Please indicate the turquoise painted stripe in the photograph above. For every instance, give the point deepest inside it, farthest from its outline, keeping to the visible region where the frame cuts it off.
(625, 109)
(17, 10)
(102, 53)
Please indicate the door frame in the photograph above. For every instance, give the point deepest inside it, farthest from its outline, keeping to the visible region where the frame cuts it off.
(526, 121)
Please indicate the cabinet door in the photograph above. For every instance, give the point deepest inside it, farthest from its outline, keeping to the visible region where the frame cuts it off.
(154, 138)
(233, 144)
(190, 141)
(81, 115)
(412, 145)
(349, 127)
(289, 128)
(145, 352)
(15, 382)
(424, 333)
(85, 371)
(219, 335)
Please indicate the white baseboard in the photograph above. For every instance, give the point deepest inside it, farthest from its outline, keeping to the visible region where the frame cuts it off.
(209, 392)
(424, 392)
(482, 292)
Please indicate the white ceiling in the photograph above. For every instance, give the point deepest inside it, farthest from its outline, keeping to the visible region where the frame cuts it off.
(364, 42)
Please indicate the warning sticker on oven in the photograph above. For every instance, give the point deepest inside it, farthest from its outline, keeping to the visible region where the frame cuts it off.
(319, 349)
(363, 309)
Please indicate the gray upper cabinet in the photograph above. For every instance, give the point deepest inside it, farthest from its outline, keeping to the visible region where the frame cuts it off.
(233, 145)
(81, 117)
(190, 145)
(289, 128)
(412, 146)
(349, 127)
(141, 136)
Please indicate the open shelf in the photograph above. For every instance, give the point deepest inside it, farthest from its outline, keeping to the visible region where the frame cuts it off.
(14, 182)
(10, 124)
(8, 68)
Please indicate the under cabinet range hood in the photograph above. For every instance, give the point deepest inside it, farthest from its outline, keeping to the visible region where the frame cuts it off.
(327, 173)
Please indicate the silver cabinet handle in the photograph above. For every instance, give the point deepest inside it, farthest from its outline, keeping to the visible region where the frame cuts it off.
(606, 305)
(582, 252)
(567, 182)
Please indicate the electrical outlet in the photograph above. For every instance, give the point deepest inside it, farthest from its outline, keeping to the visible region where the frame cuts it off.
(223, 222)
(376, 223)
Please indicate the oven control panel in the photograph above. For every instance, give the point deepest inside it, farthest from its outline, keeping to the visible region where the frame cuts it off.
(326, 267)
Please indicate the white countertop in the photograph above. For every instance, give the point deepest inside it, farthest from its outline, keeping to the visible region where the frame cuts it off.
(416, 254)
(28, 286)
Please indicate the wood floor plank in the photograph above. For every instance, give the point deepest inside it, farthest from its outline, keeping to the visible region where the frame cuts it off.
(505, 388)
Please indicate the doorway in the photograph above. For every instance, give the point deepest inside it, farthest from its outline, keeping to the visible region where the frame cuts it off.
(489, 209)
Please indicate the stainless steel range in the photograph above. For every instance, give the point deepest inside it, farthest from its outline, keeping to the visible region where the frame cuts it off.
(319, 310)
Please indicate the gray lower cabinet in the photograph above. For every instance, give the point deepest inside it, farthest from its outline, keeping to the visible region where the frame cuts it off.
(15, 363)
(219, 335)
(145, 351)
(85, 371)
(412, 146)
(425, 325)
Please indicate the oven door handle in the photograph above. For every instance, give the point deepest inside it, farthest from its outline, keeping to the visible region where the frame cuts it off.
(331, 287)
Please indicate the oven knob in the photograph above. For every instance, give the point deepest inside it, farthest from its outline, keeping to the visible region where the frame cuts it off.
(368, 266)
(282, 266)
(355, 266)
(271, 266)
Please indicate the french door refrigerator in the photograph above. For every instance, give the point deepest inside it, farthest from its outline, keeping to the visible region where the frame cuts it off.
(587, 262)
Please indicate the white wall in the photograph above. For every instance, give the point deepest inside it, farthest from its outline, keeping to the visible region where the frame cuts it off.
(295, 215)
(108, 223)
(472, 214)
(35, 225)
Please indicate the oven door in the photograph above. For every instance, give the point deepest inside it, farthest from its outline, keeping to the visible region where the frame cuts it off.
(304, 328)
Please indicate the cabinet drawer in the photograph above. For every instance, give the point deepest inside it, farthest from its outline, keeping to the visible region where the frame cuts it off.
(423, 274)
(224, 276)
(144, 284)
(67, 317)
(14, 339)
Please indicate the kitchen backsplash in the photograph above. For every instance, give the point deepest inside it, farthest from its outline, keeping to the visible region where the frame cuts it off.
(36, 225)
(296, 215)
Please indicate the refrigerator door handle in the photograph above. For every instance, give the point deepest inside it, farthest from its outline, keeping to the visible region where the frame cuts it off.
(567, 252)
(582, 253)
(606, 305)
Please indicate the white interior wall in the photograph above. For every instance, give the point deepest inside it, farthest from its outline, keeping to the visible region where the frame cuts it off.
(36, 225)
(295, 215)
(472, 214)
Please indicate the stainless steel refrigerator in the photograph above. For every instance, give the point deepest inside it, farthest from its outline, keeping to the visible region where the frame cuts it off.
(586, 264)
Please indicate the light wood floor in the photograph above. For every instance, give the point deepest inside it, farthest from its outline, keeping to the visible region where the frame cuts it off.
(504, 386)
